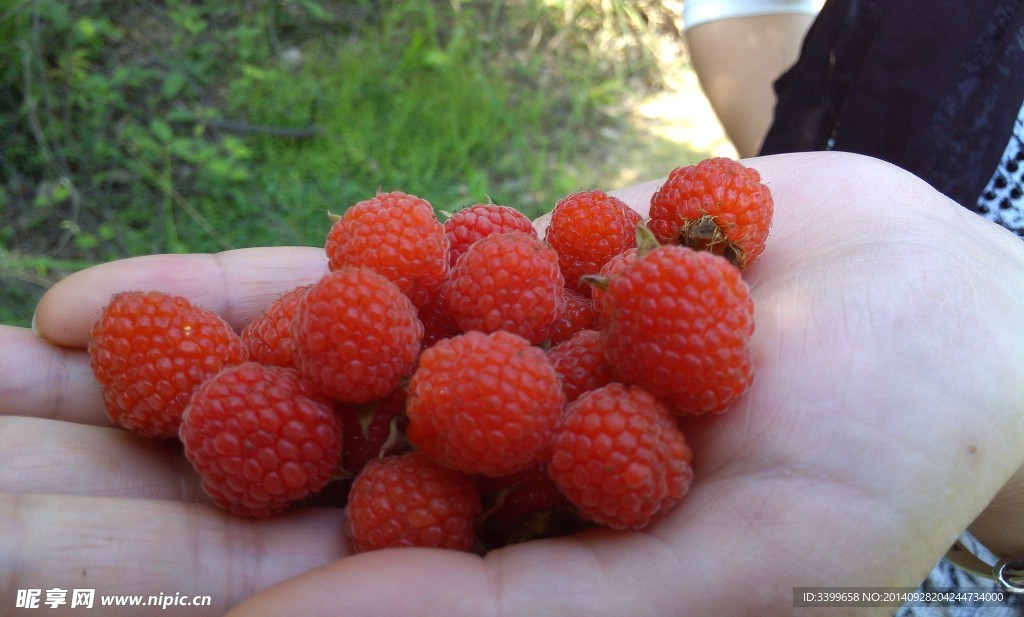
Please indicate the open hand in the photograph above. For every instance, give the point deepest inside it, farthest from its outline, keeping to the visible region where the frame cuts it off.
(885, 415)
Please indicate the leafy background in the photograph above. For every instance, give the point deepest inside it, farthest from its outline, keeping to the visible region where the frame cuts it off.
(136, 127)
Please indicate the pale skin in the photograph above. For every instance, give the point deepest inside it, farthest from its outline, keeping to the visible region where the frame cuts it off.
(884, 417)
(737, 61)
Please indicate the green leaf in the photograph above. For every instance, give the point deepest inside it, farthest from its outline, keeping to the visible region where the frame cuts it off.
(161, 130)
(173, 84)
(86, 241)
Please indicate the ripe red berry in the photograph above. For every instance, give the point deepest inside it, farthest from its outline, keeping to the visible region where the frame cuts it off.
(484, 403)
(260, 438)
(399, 236)
(678, 322)
(268, 338)
(409, 500)
(356, 335)
(580, 364)
(587, 229)
(578, 313)
(478, 221)
(149, 351)
(508, 281)
(437, 323)
(620, 458)
(718, 205)
(608, 271)
(372, 430)
(521, 506)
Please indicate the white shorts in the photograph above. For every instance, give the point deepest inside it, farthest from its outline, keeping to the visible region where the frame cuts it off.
(699, 11)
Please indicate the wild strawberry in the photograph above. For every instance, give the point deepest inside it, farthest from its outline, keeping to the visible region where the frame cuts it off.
(506, 281)
(399, 236)
(587, 229)
(678, 322)
(149, 351)
(718, 205)
(409, 500)
(268, 339)
(356, 335)
(478, 221)
(260, 438)
(580, 364)
(578, 313)
(483, 403)
(620, 458)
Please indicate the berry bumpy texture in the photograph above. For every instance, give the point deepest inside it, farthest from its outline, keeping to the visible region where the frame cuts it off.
(399, 236)
(619, 457)
(268, 338)
(484, 403)
(477, 222)
(409, 500)
(260, 438)
(150, 351)
(356, 335)
(586, 230)
(578, 313)
(509, 281)
(581, 364)
(718, 205)
(678, 322)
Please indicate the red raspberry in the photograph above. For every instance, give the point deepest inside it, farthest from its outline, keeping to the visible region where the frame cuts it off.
(718, 205)
(580, 364)
(522, 506)
(479, 221)
(437, 323)
(260, 438)
(608, 271)
(356, 335)
(587, 229)
(149, 351)
(409, 500)
(268, 339)
(620, 458)
(577, 314)
(678, 322)
(372, 430)
(506, 281)
(399, 236)
(484, 403)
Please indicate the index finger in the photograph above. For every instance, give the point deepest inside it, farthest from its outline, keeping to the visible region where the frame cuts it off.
(236, 284)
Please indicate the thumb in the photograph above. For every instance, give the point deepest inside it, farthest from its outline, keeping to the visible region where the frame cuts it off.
(593, 574)
(391, 582)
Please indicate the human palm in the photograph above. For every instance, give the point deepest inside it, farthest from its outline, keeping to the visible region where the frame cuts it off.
(884, 416)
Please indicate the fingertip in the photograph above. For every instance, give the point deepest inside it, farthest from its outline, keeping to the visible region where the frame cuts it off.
(235, 284)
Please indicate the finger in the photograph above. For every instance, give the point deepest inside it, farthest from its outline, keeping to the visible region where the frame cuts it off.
(144, 547)
(42, 380)
(564, 578)
(46, 456)
(236, 284)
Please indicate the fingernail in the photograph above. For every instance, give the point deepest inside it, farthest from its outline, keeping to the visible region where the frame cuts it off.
(35, 328)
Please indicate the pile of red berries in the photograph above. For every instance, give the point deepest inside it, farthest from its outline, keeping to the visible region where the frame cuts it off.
(466, 384)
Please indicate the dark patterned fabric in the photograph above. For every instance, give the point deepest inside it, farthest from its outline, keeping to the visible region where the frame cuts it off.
(932, 86)
(1002, 201)
(946, 577)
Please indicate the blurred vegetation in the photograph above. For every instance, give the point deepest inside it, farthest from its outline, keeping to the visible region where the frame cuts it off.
(129, 128)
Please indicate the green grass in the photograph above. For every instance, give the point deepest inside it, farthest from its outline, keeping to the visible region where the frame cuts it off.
(134, 128)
